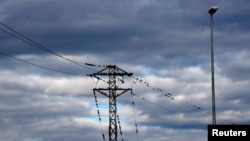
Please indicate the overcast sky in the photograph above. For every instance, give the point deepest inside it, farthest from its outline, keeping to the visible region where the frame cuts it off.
(47, 96)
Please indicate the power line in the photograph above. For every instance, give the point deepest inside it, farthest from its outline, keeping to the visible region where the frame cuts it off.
(40, 66)
(169, 95)
(166, 94)
(169, 110)
(119, 125)
(37, 45)
(99, 115)
(136, 125)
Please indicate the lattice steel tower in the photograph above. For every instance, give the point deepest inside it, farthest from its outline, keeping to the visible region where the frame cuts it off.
(112, 92)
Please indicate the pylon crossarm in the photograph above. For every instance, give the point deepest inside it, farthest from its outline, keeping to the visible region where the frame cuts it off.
(101, 91)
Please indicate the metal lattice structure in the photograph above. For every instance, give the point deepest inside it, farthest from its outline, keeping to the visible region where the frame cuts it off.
(112, 92)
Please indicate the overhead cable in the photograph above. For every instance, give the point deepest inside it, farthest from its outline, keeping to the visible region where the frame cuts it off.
(40, 66)
(37, 45)
(170, 96)
(168, 109)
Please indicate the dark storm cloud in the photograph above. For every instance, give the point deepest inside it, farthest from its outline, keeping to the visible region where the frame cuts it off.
(75, 26)
(171, 30)
(125, 26)
(95, 28)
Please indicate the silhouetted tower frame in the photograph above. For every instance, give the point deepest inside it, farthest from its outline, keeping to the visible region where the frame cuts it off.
(112, 92)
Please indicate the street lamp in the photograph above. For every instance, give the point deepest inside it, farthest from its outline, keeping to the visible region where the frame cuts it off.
(211, 11)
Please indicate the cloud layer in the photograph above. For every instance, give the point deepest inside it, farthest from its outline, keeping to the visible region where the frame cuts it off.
(165, 44)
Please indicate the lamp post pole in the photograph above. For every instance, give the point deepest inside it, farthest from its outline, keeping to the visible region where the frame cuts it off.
(211, 11)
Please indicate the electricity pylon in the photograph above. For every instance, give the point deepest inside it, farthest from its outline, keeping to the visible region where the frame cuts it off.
(112, 92)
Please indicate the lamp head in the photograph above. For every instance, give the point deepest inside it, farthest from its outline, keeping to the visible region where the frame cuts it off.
(213, 9)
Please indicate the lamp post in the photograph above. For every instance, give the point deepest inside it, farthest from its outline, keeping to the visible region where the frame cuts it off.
(211, 11)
